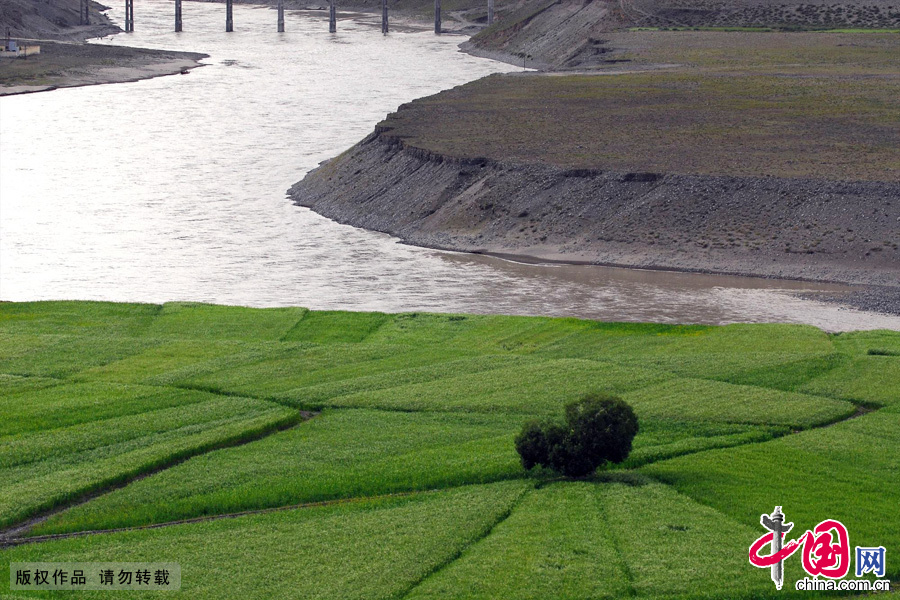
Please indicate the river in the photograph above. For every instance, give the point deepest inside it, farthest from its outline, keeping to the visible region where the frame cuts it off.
(174, 188)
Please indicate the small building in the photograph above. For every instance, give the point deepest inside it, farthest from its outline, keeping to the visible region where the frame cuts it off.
(13, 49)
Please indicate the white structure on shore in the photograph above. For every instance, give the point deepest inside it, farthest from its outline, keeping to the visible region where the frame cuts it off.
(12, 49)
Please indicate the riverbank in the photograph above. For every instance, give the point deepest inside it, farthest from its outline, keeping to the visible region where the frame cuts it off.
(722, 225)
(62, 65)
(784, 169)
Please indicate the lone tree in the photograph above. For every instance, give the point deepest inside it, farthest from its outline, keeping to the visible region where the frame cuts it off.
(598, 429)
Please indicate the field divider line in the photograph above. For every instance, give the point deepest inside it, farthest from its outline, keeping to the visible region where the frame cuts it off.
(722, 379)
(458, 554)
(614, 541)
(11, 534)
(860, 411)
(294, 326)
(19, 541)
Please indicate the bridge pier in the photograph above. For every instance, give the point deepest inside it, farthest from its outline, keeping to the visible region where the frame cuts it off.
(490, 12)
(332, 18)
(85, 12)
(229, 15)
(177, 15)
(384, 16)
(437, 16)
(129, 16)
(280, 16)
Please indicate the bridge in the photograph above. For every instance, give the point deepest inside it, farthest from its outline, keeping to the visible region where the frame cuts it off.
(229, 15)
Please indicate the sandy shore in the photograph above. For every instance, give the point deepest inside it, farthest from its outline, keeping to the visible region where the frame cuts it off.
(61, 65)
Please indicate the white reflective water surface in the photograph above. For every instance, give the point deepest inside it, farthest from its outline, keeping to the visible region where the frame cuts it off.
(174, 188)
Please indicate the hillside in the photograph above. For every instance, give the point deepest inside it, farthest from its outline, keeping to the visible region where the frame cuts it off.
(52, 19)
(570, 33)
(796, 14)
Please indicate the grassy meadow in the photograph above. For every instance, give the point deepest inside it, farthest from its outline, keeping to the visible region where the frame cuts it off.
(373, 453)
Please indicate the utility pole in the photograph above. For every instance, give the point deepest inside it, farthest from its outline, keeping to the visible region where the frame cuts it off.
(177, 15)
(280, 16)
(384, 16)
(229, 15)
(437, 16)
(332, 18)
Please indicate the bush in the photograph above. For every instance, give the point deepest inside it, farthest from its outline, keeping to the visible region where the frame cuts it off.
(598, 429)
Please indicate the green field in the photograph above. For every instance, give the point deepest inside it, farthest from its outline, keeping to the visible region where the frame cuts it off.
(379, 449)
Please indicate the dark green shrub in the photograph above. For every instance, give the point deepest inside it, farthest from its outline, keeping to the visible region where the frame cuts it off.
(532, 445)
(598, 429)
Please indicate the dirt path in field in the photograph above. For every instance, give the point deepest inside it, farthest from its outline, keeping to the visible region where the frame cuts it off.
(11, 536)
(18, 541)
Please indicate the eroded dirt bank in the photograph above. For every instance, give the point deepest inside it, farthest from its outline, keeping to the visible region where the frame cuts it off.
(776, 227)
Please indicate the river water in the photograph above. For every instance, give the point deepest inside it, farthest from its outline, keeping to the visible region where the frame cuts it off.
(174, 188)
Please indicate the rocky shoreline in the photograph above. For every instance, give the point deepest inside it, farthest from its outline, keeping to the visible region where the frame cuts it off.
(880, 299)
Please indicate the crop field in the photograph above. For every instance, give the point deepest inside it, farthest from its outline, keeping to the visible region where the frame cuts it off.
(67, 440)
(287, 453)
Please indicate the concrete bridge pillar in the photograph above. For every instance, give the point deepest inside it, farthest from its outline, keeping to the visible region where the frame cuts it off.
(437, 16)
(490, 12)
(129, 16)
(177, 15)
(384, 16)
(229, 15)
(280, 16)
(332, 18)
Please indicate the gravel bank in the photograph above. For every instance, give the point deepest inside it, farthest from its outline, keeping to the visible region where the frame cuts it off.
(873, 298)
